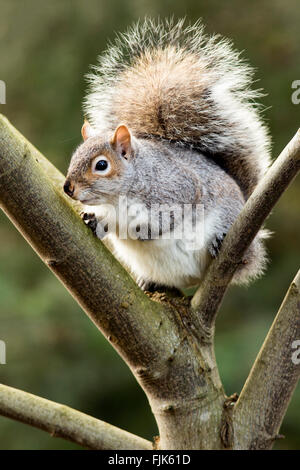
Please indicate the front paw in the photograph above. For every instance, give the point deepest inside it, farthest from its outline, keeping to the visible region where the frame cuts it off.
(90, 220)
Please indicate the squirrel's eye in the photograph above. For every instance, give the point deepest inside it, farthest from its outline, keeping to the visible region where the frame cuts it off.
(101, 165)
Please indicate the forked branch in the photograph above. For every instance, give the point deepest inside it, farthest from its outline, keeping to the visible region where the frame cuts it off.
(150, 336)
(168, 346)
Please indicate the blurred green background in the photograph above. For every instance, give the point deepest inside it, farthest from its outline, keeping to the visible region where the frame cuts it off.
(53, 350)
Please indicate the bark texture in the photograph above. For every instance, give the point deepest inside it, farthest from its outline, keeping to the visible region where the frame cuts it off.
(156, 339)
(207, 299)
(272, 380)
(62, 421)
(168, 345)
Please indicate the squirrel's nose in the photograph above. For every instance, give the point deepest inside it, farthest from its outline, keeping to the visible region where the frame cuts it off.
(69, 188)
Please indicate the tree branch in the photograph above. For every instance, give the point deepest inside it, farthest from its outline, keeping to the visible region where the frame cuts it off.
(168, 346)
(266, 394)
(62, 421)
(157, 340)
(37, 206)
(208, 297)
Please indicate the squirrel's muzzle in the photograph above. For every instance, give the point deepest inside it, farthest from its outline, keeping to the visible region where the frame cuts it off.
(69, 188)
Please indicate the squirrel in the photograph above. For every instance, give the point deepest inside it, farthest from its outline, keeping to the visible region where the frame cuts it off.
(172, 123)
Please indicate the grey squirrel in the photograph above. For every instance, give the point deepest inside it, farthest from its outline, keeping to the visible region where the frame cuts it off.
(172, 123)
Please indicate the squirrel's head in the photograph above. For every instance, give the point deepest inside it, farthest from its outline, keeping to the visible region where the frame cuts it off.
(100, 169)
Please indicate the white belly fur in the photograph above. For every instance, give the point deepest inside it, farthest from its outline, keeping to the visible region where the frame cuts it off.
(169, 262)
(166, 262)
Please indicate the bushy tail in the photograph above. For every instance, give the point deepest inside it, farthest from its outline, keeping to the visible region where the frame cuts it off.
(173, 82)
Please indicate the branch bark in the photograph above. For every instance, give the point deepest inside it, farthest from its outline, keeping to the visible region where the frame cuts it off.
(208, 297)
(62, 421)
(264, 399)
(175, 368)
(167, 345)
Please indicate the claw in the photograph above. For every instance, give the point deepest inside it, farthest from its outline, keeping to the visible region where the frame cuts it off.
(216, 244)
(87, 215)
(90, 220)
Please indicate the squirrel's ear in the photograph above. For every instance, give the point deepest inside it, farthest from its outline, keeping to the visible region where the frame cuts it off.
(86, 130)
(122, 140)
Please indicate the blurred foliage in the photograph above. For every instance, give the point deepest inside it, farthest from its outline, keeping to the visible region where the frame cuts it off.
(53, 350)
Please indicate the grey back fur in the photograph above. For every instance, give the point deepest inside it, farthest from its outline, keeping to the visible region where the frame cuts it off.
(170, 81)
